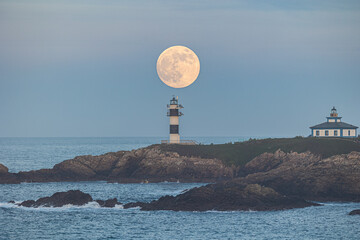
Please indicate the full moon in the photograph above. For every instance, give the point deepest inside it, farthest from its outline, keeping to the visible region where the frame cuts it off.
(178, 66)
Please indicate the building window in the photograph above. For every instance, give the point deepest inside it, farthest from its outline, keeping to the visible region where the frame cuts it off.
(335, 132)
(349, 133)
(317, 133)
(326, 132)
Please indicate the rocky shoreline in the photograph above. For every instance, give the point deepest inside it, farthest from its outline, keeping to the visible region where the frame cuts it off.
(229, 196)
(336, 178)
(274, 181)
(269, 181)
(146, 164)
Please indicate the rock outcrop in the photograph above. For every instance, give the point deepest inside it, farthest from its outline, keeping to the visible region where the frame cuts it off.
(307, 175)
(355, 212)
(229, 196)
(6, 177)
(304, 175)
(110, 203)
(153, 164)
(274, 181)
(3, 169)
(59, 199)
(73, 197)
(150, 164)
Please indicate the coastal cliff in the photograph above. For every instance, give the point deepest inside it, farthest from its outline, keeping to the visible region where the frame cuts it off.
(282, 172)
(145, 164)
(277, 163)
(196, 163)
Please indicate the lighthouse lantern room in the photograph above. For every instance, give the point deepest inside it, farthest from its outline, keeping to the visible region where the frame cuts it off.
(174, 114)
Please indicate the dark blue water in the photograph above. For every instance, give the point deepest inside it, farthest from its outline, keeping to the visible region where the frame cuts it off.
(91, 222)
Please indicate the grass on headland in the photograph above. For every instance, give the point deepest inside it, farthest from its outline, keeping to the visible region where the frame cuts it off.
(239, 153)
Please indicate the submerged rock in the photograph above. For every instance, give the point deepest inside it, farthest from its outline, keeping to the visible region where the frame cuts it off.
(110, 203)
(73, 197)
(355, 212)
(229, 196)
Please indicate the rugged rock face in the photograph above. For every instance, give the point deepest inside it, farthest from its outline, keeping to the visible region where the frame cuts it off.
(307, 175)
(89, 167)
(149, 164)
(154, 164)
(6, 177)
(274, 181)
(268, 161)
(293, 174)
(74, 197)
(355, 212)
(3, 169)
(229, 196)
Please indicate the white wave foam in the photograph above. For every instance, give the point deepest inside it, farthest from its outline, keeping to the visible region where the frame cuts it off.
(7, 205)
(119, 206)
(232, 211)
(90, 205)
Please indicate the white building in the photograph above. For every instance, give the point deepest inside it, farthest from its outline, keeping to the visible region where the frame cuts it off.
(334, 127)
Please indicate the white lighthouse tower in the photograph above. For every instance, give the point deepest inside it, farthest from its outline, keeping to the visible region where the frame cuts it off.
(174, 114)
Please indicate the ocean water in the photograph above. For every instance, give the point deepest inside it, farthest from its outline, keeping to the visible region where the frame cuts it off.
(329, 221)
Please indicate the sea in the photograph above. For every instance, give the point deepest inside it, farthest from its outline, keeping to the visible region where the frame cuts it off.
(329, 221)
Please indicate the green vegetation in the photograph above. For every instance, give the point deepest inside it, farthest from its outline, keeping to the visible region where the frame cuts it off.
(239, 153)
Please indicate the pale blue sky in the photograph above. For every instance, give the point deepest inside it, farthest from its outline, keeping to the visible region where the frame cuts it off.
(87, 68)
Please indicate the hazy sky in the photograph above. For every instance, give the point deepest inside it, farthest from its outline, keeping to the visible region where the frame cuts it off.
(88, 68)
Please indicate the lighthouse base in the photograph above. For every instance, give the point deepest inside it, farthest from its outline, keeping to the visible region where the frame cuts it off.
(174, 138)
